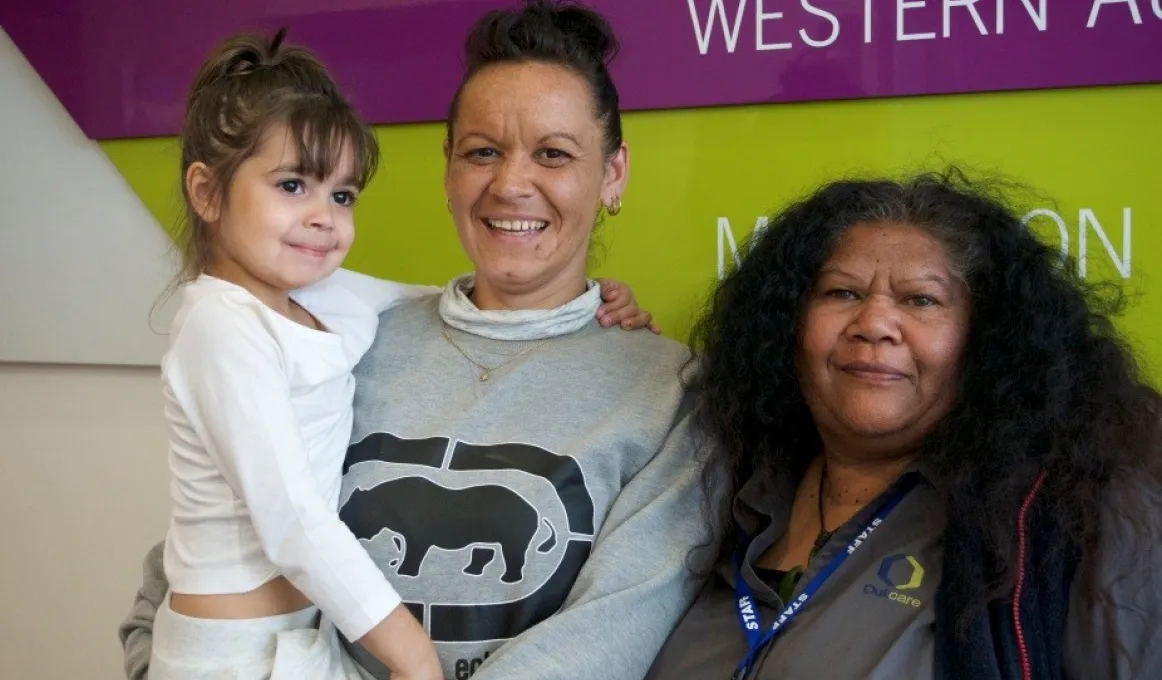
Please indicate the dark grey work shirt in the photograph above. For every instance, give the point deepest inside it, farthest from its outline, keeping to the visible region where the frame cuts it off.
(874, 618)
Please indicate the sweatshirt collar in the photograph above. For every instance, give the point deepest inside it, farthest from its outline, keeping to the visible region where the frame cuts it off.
(458, 311)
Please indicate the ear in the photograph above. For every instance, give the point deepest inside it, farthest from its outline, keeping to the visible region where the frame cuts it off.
(447, 163)
(200, 189)
(616, 176)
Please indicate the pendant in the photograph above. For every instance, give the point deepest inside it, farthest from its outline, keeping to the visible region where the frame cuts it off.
(484, 377)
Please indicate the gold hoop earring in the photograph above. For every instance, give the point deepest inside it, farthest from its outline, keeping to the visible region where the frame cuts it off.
(614, 208)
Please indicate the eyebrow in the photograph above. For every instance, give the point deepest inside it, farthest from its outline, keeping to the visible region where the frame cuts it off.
(542, 140)
(296, 169)
(934, 278)
(564, 135)
(836, 272)
(293, 168)
(460, 138)
(931, 277)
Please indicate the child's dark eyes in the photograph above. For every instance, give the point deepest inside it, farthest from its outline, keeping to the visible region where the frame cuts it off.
(291, 186)
(345, 198)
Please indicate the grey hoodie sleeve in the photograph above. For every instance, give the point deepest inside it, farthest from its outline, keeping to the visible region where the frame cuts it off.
(1121, 639)
(634, 587)
(136, 631)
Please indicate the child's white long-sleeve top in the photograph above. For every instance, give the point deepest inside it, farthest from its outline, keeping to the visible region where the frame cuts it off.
(259, 410)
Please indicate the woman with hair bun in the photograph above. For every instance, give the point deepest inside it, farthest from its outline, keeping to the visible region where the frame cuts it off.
(524, 477)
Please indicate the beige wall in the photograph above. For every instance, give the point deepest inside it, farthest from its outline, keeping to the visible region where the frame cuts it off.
(83, 494)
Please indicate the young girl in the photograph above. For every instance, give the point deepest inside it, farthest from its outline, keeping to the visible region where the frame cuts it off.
(258, 385)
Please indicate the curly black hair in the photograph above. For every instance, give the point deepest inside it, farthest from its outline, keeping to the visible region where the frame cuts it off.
(1046, 383)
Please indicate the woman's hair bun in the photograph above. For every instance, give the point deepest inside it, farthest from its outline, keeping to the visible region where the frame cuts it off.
(543, 29)
(590, 30)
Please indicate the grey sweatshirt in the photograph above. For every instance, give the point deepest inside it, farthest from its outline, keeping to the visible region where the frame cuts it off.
(539, 522)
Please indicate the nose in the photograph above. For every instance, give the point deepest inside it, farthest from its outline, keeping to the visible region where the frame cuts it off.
(320, 213)
(513, 179)
(876, 321)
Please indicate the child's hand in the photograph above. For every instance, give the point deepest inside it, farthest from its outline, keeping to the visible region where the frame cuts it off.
(400, 643)
(621, 308)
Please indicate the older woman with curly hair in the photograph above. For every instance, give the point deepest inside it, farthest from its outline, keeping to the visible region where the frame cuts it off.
(940, 459)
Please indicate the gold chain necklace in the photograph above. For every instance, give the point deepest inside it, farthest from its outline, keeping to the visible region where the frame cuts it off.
(487, 370)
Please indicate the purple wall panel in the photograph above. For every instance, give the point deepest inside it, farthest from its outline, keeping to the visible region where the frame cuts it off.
(122, 68)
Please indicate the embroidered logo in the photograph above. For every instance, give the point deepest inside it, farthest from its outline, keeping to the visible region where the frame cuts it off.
(907, 572)
(899, 574)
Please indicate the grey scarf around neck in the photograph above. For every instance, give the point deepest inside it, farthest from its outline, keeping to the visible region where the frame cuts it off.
(457, 310)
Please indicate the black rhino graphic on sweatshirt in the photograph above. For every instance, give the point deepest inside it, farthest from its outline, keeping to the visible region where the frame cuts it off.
(437, 511)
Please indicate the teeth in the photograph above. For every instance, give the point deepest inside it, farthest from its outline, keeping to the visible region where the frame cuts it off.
(517, 225)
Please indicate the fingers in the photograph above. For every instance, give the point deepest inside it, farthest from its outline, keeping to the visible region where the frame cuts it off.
(614, 291)
(618, 316)
(618, 306)
(642, 319)
(621, 309)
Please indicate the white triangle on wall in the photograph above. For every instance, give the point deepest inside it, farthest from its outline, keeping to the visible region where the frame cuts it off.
(82, 260)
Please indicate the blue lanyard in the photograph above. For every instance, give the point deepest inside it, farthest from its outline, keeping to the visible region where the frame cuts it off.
(748, 614)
